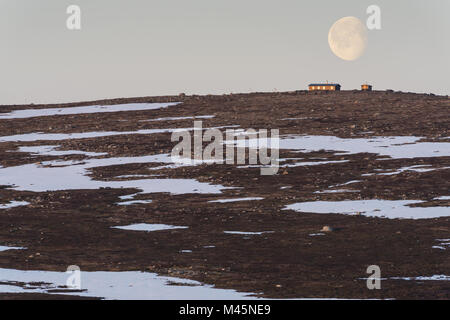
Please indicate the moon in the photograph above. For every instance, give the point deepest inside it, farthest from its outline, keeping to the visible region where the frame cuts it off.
(348, 38)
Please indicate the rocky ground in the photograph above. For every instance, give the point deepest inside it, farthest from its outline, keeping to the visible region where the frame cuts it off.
(73, 227)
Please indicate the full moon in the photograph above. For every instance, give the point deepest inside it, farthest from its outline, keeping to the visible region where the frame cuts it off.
(348, 38)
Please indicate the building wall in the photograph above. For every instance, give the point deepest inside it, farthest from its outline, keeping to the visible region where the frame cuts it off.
(323, 88)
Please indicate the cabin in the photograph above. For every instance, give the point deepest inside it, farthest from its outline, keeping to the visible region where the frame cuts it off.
(366, 87)
(324, 87)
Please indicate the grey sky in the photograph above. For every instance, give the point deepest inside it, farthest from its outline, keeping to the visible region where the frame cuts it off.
(158, 47)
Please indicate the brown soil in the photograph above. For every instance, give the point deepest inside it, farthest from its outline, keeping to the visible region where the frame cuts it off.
(74, 227)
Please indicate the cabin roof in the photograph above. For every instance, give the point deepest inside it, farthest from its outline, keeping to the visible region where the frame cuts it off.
(325, 84)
